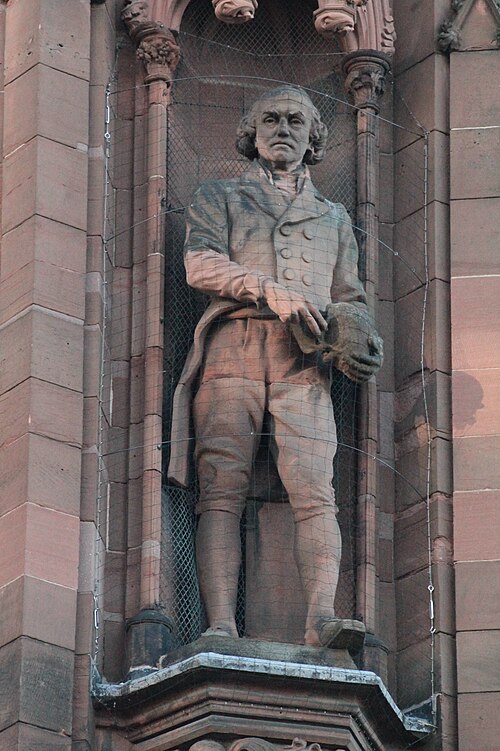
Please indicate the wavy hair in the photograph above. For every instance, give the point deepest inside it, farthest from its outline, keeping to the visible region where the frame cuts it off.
(245, 135)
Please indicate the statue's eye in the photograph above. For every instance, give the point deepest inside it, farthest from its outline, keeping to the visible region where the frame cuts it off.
(269, 120)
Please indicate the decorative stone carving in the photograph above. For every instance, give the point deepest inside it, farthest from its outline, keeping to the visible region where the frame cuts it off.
(235, 11)
(336, 17)
(450, 34)
(255, 744)
(365, 78)
(156, 45)
(359, 24)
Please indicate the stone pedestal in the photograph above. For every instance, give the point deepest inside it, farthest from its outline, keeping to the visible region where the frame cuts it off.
(219, 691)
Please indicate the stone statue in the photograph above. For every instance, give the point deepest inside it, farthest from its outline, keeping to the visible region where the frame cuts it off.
(280, 264)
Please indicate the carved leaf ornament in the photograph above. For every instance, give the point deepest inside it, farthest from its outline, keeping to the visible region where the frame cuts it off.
(450, 34)
(255, 744)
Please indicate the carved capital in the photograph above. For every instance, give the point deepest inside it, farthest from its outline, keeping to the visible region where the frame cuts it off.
(336, 17)
(156, 45)
(235, 11)
(365, 78)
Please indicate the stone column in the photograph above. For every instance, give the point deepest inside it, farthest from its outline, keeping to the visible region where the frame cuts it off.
(150, 632)
(365, 75)
(42, 291)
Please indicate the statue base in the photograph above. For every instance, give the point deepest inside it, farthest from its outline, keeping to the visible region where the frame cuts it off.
(219, 693)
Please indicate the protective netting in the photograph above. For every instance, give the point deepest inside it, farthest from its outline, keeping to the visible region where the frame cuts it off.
(222, 71)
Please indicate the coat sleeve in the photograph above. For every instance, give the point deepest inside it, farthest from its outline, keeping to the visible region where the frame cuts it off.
(346, 285)
(209, 268)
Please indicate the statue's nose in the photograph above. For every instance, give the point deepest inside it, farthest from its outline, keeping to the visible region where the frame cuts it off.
(283, 129)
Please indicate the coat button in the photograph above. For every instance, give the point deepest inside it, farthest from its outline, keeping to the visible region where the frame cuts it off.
(286, 229)
(307, 279)
(308, 233)
(289, 274)
(307, 256)
(285, 253)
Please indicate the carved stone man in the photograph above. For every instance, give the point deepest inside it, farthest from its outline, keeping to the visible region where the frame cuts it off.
(277, 260)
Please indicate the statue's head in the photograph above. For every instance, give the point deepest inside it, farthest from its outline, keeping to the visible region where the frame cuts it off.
(307, 134)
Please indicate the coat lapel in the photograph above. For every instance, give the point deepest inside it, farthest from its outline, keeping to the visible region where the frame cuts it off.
(308, 204)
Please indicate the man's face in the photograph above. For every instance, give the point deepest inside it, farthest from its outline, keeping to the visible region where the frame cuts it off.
(283, 127)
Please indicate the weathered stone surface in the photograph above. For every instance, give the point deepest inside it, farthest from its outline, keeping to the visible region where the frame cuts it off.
(476, 520)
(22, 737)
(409, 175)
(42, 408)
(475, 304)
(476, 237)
(478, 721)
(49, 540)
(417, 41)
(476, 402)
(409, 242)
(42, 344)
(473, 103)
(42, 471)
(45, 102)
(47, 35)
(476, 464)
(414, 661)
(408, 313)
(36, 685)
(477, 595)
(47, 178)
(39, 609)
(411, 545)
(477, 661)
(412, 467)
(421, 98)
(477, 176)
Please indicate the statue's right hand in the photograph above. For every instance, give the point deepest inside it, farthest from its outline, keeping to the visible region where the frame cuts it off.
(292, 307)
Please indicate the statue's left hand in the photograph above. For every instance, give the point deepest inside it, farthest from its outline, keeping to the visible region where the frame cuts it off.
(361, 363)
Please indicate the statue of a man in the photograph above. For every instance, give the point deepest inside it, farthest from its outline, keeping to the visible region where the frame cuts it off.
(276, 258)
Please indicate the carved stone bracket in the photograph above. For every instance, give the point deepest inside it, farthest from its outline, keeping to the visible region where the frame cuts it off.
(358, 24)
(235, 11)
(450, 34)
(365, 77)
(156, 45)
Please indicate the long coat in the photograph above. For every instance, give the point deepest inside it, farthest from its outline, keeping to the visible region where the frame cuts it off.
(242, 231)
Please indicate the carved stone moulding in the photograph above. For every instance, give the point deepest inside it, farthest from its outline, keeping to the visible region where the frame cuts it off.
(451, 32)
(156, 43)
(336, 17)
(255, 744)
(235, 11)
(365, 72)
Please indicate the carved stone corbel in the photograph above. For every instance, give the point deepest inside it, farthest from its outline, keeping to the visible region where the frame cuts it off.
(235, 11)
(254, 744)
(156, 45)
(358, 24)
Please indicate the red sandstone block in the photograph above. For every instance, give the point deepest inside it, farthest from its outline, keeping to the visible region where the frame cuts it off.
(413, 670)
(117, 524)
(114, 649)
(43, 344)
(417, 41)
(421, 96)
(409, 312)
(53, 475)
(38, 609)
(473, 105)
(477, 595)
(44, 240)
(409, 175)
(476, 519)
(411, 482)
(46, 102)
(475, 225)
(120, 380)
(476, 465)
(43, 408)
(49, 541)
(478, 721)
(475, 315)
(22, 737)
(83, 728)
(42, 284)
(46, 178)
(478, 176)
(85, 637)
(114, 582)
(476, 402)
(47, 35)
(121, 301)
(477, 661)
